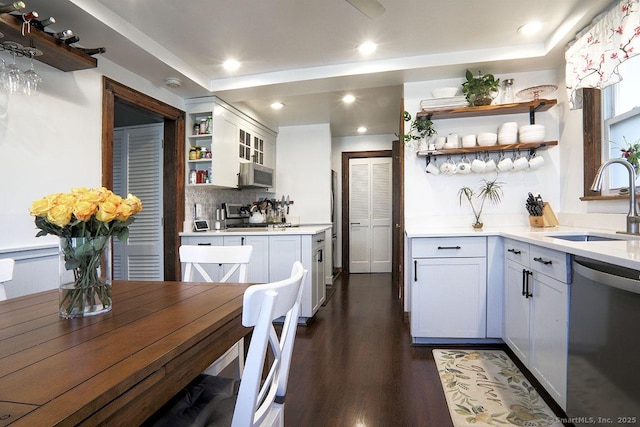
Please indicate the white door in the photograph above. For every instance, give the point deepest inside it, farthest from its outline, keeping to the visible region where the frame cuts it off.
(137, 169)
(370, 215)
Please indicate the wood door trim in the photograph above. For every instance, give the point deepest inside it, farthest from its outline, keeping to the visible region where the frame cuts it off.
(346, 156)
(173, 161)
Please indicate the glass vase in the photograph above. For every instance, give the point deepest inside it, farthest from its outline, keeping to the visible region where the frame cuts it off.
(85, 276)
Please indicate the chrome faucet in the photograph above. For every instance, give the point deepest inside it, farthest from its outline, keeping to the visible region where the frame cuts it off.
(633, 220)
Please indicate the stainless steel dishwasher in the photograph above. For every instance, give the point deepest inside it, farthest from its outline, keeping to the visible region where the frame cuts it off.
(603, 376)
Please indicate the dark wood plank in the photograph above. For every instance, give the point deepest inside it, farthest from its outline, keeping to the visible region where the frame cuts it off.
(119, 366)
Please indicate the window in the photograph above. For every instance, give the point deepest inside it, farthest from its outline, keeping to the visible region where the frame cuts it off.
(621, 113)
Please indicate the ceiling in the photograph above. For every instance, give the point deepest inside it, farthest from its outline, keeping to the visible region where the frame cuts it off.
(303, 53)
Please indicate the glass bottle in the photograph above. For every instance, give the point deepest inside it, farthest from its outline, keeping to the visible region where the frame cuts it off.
(507, 92)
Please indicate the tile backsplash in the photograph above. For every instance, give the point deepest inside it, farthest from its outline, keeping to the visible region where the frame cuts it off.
(212, 199)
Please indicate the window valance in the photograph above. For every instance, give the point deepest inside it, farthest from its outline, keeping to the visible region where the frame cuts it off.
(593, 59)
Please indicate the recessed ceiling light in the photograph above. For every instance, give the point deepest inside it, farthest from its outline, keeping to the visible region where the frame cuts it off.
(362, 129)
(277, 105)
(348, 99)
(231, 65)
(530, 28)
(367, 48)
(173, 82)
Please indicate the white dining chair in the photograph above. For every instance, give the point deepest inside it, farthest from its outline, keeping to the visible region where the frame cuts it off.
(259, 398)
(231, 258)
(6, 274)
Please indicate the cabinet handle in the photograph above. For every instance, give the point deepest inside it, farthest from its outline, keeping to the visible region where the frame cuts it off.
(449, 247)
(415, 270)
(242, 241)
(514, 251)
(528, 294)
(321, 252)
(524, 280)
(545, 262)
(204, 244)
(355, 223)
(319, 240)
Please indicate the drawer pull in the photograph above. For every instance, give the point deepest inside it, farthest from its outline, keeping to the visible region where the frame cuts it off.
(449, 247)
(204, 244)
(514, 251)
(545, 262)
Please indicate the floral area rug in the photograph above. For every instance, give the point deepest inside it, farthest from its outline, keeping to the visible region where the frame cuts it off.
(484, 387)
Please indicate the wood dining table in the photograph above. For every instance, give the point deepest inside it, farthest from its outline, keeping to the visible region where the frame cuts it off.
(115, 368)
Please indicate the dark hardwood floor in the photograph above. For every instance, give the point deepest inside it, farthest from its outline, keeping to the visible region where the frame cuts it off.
(354, 364)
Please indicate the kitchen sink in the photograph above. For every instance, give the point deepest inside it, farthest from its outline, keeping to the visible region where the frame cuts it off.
(591, 238)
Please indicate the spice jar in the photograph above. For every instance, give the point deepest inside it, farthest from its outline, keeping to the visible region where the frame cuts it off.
(209, 123)
(203, 153)
(193, 154)
(203, 126)
(197, 147)
(196, 128)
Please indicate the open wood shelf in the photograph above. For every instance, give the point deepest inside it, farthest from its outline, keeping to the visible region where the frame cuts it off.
(54, 53)
(491, 148)
(530, 107)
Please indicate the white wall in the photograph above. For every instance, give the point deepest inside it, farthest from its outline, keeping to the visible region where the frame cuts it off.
(434, 199)
(303, 165)
(51, 143)
(352, 143)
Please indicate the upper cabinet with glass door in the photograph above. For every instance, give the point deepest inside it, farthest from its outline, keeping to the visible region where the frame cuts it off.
(219, 138)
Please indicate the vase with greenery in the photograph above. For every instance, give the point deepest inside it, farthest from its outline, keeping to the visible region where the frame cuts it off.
(418, 129)
(85, 221)
(491, 190)
(480, 90)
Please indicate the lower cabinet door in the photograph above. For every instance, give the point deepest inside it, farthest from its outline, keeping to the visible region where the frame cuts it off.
(517, 312)
(448, 298)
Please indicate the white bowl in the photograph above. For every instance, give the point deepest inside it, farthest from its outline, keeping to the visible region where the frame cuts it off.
(444, 92)
(469, 141)
(487, 138)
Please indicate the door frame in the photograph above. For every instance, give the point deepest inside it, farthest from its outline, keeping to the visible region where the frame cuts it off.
(173, 161)
(346, 156)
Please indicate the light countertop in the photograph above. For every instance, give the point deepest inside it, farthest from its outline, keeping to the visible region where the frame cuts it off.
(301, 230)
(625, 252)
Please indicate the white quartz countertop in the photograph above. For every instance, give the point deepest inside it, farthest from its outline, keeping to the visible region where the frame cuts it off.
(301, 230)
(624, 252)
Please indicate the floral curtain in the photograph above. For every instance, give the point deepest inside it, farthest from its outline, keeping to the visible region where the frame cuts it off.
(614, 37)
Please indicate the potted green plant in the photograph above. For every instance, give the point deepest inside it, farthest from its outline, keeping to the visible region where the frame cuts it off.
(480, 90)
(491, 190)
(420, 128)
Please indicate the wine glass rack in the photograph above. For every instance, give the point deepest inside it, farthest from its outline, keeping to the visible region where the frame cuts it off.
(45, 48)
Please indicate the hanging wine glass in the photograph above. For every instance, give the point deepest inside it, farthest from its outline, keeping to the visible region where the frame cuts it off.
(31, 79)
(3, 72)
(13, 76)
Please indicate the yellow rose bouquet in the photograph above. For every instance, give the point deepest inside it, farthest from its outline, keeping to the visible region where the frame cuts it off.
(85, 220)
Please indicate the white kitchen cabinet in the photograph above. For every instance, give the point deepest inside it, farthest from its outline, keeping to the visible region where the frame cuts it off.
(448, 288)
(258, 268)
(232, 138)
(285, 250)
(536, 312)
(318, 289)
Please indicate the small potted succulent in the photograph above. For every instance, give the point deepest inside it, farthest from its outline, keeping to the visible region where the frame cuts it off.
(420, 128)
(480, 90)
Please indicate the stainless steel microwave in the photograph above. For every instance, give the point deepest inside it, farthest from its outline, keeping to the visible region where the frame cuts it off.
(253, 175)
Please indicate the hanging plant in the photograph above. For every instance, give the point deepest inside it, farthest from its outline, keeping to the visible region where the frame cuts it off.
(420, 128)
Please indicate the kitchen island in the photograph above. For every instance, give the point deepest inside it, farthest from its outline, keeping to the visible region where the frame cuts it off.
(274, 252)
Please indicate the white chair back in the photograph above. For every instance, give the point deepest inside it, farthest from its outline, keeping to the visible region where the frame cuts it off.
(6, 274)
(237, 257)
(261, 398)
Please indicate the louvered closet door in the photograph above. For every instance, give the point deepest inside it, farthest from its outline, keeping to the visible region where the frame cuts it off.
(137, 169)
(370, 215)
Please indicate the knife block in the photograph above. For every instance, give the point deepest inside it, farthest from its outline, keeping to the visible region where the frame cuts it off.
(548, 218)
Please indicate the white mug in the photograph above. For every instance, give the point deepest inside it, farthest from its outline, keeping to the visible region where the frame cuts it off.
(520, 163)
(448, 167)
(463, 166)
(489, 164)
(433, 168)
(479, 165)
(505, 164)
(535, 162)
